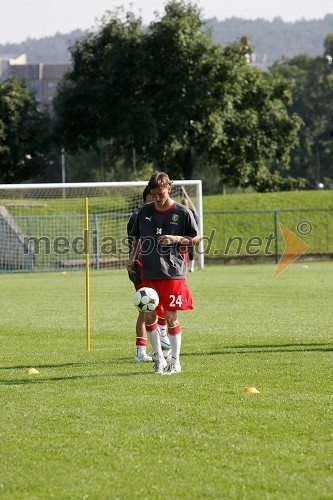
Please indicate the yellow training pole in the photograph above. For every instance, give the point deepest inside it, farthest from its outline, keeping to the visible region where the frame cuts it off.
(86, 248)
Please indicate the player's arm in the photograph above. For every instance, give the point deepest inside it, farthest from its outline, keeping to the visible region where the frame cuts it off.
(134, 254)
(188, 241)
(184, 241)
(134, 234)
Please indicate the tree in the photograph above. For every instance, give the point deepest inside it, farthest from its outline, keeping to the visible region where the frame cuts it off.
(24, 134)
(102, 98)
(312, 101)
(186, 88)
(259, 131)
(173, 96)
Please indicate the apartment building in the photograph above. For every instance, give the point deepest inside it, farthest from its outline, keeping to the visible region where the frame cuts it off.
(41, 79)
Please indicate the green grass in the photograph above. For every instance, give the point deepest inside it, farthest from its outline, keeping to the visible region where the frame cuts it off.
(63, 206)
(269, 201)
(96, 425)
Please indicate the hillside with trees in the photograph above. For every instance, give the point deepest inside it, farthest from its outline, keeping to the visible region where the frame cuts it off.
(271, 40)
(276, 40)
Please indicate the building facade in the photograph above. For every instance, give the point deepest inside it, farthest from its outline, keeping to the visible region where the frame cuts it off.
(41, 79)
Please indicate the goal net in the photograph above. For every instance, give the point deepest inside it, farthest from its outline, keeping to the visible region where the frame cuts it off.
(42, 225)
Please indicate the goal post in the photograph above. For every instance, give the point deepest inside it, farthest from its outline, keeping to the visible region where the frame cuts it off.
(42, 225)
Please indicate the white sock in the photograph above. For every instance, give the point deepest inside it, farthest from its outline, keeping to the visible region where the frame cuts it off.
(175, 342)
(192, 265)
(154, 339)
(140, 351)
(162, 326)
(163, 330)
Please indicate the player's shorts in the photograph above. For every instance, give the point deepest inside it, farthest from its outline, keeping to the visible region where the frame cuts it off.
(174, 295)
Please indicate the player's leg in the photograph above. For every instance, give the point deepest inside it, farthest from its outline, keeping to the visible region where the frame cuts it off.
(175, 336)
(163, 328)
(191, 259)
(140, 329)
(180, 298)
(154, 338)
(141, 340)
(164, 338)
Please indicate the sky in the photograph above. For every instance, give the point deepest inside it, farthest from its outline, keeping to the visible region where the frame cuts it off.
(22, 19)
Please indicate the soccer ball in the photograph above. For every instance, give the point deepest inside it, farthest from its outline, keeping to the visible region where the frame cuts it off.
(146, 299)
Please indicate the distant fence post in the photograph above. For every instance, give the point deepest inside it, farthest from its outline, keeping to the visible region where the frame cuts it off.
(30, 251)
(276, 236)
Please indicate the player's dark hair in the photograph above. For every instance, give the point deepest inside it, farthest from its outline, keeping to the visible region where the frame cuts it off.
(145, 193)
(159, 179)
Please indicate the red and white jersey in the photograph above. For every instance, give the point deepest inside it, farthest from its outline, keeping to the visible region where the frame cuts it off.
(163, 262)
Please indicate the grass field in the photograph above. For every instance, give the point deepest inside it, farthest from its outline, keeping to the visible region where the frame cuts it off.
(95, 425)
(270, 201)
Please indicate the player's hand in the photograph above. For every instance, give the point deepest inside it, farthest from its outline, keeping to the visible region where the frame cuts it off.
(167, 239)
(129, 266)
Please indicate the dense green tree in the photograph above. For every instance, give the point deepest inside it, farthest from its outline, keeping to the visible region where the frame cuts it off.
(313, 101)
(214, 105)
(187, 89)
(173, 96)
(24, 133)
(102, 99)
(259, 131)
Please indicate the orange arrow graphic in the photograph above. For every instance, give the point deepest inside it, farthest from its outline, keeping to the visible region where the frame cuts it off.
(294, 248)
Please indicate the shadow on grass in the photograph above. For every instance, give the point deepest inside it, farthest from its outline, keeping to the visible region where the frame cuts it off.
(26, 378)
(266, 349)
(59, 365)
(34, 379)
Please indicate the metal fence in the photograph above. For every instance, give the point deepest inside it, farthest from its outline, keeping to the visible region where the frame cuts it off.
(244, 234)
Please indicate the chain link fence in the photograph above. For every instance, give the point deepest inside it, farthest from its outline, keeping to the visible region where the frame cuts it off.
(232, 235)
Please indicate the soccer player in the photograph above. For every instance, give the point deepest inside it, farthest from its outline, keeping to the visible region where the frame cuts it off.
(136, 278)
(190, 250)
(160, 230)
